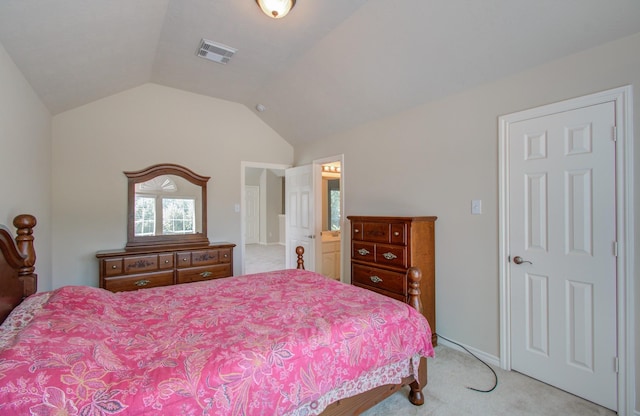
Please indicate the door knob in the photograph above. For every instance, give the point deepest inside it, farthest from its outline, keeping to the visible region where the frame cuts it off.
(520, 260)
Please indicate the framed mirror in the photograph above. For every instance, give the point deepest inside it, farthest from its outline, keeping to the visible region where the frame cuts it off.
(167, 205)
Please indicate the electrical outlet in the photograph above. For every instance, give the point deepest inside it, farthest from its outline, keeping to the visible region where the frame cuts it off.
(476, 206)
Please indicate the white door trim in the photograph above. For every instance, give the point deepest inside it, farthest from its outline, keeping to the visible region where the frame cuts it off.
(250, 199)
(622, 97)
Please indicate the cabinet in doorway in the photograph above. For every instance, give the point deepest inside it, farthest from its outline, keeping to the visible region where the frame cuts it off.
(331, 259)
(383, 248)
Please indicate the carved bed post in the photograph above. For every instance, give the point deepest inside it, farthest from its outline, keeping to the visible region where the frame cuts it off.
(300, 252)
(24, 241)
(413, 277)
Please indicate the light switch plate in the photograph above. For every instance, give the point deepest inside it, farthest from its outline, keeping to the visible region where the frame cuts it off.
(476, 206)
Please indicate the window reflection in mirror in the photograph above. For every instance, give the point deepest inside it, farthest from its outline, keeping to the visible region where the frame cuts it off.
(166, 205)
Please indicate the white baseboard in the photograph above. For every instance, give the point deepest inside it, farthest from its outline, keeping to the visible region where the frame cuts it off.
(488, 358)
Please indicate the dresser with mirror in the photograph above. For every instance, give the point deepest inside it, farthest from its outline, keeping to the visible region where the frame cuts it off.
(167, 239)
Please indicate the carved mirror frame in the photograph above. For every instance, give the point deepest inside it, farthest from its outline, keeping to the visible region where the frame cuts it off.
(135, 177)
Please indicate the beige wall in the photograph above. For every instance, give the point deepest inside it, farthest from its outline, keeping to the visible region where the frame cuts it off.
(434, 159)
(94, 144)
(25, 160)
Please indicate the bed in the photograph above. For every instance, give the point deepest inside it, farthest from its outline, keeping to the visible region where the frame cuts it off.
(289, 342)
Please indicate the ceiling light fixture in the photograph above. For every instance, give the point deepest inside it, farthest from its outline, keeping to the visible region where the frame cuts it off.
(331, 168)
(276, 8)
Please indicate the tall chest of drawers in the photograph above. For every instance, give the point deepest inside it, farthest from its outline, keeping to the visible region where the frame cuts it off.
(383, 248)
(122, 270)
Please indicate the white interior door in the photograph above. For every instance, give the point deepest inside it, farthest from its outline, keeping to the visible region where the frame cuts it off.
(562, 245)
(299, 213)
(252, 214)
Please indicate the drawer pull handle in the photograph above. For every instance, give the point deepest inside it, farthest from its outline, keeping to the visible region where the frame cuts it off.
(166, 261)
(226, 255)
(375, 279)
(356, 231)
(396, 233)
(389, 256)
(114, 267)
(206, 274)
(363, 251)
(184, 259)
(143, 282)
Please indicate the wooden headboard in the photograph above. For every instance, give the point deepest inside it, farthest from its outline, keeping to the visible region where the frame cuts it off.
(17, 260)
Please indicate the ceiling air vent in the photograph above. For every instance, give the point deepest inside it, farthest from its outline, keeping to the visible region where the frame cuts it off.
(215, 52)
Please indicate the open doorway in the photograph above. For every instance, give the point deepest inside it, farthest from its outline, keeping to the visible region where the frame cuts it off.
(262, 217)
(330, 217)
(331, 214)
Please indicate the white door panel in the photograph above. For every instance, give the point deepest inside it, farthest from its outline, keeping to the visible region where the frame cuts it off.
(562, 226)
(299, 215)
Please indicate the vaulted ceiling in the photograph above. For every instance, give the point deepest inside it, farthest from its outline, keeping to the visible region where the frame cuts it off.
(327, 66)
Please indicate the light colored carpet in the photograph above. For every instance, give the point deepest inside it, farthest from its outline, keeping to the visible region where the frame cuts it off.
(451, 371)
(263, 257)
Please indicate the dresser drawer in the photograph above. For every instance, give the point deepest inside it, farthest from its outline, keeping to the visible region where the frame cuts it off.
(224, 255)
(381, 279)
(139, 264)
(356, 231)
(183, 259)
(363, 252)
(198, 258)
(112, 267)
(165, 261)
(391, 255)
(204, 257)
(135, 282)
(197, 274)
(396, 296)
(399, 234)
(376, 232)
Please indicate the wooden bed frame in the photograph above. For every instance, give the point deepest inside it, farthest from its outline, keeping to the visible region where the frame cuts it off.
(17, 277)
(18, 280)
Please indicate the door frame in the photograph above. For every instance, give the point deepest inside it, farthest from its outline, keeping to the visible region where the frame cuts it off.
(243, 166)
(318, 207)
(247, 203)
(622, 97)
(315, 162)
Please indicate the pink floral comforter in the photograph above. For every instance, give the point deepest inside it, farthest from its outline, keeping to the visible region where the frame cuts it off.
(262, 344)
